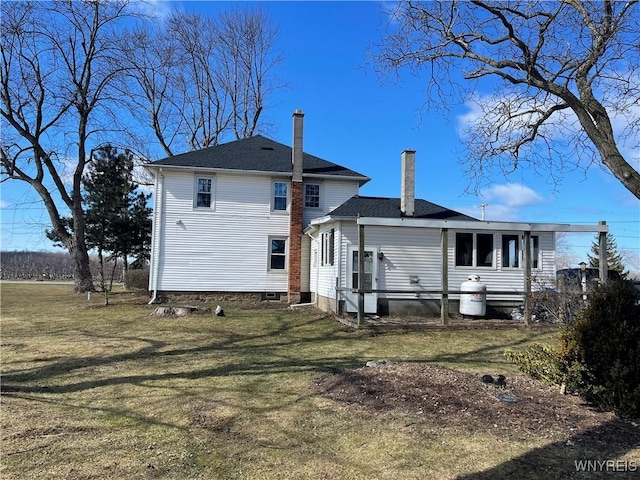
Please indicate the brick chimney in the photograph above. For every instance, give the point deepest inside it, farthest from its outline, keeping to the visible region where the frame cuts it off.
(295, 213)
(407, 194)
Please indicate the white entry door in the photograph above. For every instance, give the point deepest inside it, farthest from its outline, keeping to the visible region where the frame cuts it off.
(370, 279)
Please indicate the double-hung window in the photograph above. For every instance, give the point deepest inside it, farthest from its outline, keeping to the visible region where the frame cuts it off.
(474, 249)
(312, 195)
(280, 196)
(277, 253)
(204, 192)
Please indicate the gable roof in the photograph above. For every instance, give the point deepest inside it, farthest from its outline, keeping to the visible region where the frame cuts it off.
(390, 208)
(256, 154)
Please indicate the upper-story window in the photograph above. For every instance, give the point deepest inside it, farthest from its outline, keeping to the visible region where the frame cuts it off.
(280, 196)
(474, 249)
(204, 192)
(312, 195)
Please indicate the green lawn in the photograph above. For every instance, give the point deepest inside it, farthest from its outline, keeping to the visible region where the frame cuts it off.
(112, 392)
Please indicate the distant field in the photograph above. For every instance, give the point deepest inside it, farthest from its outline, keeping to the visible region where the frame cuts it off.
(112, 392)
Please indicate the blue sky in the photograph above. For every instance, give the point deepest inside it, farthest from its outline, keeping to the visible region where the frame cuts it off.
(355, 119)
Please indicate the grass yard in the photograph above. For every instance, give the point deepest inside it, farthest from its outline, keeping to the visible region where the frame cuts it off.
(93, 392)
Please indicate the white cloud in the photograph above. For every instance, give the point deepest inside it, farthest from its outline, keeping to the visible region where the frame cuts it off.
(511, 195)
(159, 9)
(504, 203)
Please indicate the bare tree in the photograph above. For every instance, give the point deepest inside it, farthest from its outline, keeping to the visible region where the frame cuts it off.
(568, 72)
(198, 78)
(58, 66)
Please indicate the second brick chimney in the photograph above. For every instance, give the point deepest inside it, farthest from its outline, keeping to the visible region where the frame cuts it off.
(407, 194)
(295, 213)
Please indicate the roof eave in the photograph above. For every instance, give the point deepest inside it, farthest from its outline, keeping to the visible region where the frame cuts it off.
(480, 225)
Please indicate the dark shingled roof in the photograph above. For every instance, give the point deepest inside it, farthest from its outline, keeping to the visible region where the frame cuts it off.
(390, 208)
(258, 154)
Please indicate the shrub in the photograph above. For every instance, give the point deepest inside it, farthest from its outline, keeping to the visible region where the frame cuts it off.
(538, 361)
(605, 340)
(137, 279)
(598, 355)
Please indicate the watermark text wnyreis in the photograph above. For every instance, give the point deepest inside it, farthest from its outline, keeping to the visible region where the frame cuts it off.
(606, 465)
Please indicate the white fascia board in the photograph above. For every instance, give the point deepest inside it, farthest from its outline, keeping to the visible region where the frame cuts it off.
(480, 225)
(328, 218)
(361, 180)
(219, 170)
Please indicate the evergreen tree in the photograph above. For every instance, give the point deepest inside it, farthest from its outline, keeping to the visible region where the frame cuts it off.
(614, 258)
(117, 219)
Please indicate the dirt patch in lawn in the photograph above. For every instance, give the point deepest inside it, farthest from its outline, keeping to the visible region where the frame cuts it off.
(517, 407)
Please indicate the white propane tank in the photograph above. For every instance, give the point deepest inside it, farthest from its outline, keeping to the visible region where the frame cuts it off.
(473, 299)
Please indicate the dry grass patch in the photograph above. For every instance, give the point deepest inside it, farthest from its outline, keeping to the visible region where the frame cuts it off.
(94, 392)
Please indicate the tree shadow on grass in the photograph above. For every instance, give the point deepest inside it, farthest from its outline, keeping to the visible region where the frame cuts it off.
(238, 354)
(592, 453)
(263, 353)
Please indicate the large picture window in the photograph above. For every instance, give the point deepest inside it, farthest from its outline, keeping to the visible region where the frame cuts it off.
(474, 249)
(277, 253)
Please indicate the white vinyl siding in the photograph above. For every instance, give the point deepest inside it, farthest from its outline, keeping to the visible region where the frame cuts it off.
(334, 194)
(227, 248)
(416, 252)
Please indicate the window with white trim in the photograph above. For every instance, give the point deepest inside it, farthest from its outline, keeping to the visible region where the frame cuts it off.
(204, 192)
(474, 249)
(327, 247)
(277, 253)
(510, 251)
(535, 251)
(312, 195)
(280, 196)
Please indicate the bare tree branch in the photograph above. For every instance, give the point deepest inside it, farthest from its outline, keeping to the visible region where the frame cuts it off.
(557, 63)
(58, 67)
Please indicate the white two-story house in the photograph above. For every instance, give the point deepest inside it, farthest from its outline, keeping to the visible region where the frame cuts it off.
(229, 218)
(258, 217)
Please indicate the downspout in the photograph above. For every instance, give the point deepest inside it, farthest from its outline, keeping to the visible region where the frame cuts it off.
(338, 292)
(156, 236)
